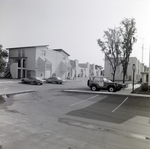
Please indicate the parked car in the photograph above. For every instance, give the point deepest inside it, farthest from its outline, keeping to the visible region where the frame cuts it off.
(98, 83)
(54, 79)
(33, 80)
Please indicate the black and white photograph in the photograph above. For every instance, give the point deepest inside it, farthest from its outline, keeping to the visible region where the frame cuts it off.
(74, 74)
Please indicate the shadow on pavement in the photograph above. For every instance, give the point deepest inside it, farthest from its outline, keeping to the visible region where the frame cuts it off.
(102, 110)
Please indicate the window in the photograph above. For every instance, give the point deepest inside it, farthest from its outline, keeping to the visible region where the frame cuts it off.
(19, 63)
(96, 79)
(24, 63)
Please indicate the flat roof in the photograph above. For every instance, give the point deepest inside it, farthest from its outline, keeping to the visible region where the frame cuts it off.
(27, 47)
(59, 50)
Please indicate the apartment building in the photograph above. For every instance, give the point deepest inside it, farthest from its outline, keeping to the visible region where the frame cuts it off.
(84, 69)
(119, 74)
(43, 62)
(38, 61)
(75, 69)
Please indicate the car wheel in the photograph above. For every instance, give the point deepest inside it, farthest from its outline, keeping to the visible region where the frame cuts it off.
(111, 89)
(93, 88)
(35, 83)
(41, 83)
(23, 81)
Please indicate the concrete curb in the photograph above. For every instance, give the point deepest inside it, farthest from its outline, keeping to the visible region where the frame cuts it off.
(107, 93)
(20, 92)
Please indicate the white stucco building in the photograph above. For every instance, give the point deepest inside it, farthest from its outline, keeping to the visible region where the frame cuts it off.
(84, 69)
(119, 74)
(38, 61)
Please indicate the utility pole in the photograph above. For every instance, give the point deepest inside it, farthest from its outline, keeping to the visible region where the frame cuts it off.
(149, 70)
(142, 51)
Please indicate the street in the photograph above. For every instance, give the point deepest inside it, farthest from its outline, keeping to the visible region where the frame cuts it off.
(13, 86)
(48, 118)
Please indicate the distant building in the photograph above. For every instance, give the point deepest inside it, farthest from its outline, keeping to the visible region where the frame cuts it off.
(75, 69)
(119, 75)
(84, 69)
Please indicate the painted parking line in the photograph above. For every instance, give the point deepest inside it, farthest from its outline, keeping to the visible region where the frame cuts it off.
(119, 105)
(84, 100)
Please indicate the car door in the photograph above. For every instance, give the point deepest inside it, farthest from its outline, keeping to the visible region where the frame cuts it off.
(54, 80)
(28, 80)
(50, 80)
(31, 79)
(99, 81)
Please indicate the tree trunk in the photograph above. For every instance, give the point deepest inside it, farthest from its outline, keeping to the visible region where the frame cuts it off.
(124, 75)
(124, 78)
(114, 75)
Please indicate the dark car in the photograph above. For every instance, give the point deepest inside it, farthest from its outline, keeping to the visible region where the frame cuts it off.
(98, 83)
(55, 79)
(33, 80)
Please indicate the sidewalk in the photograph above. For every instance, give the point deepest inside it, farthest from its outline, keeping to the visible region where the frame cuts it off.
(125, 92)
(128, 89)
(3, 80)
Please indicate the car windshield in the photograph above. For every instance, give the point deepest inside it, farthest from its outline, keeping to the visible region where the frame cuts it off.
(58, 78)
(38, 78)
(31, 77)
(107, 80)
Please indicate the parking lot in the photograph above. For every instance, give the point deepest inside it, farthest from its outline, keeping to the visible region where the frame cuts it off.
(9, 86)
(50, 118)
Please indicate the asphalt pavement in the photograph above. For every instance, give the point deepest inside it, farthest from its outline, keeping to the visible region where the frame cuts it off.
(53, 119)
(12, 86)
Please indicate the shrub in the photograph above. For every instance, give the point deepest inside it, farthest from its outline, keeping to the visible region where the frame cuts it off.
(144, 87)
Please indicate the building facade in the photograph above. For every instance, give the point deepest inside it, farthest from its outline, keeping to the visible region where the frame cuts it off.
(119, 74)
(38, 61)
(43, 62)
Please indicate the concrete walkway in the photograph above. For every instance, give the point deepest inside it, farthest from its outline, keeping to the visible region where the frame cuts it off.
(125, 92)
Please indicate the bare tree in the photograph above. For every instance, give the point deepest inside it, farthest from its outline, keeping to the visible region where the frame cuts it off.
(127, 30)
(3, 56)
(111, 48)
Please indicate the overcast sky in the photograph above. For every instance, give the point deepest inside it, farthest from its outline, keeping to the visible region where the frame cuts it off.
(72, 25)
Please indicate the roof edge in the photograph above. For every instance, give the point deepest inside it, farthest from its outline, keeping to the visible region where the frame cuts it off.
(26, 47)
(61, 50)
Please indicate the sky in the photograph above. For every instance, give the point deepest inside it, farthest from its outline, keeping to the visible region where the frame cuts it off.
(72, 25)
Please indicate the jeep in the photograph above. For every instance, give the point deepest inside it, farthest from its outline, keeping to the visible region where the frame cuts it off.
(98, 83)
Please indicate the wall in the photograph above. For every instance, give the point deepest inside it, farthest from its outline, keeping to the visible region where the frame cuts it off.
(14, 70)
(40, 56)
(75, 68)
(58, 59)
(119, 74)
(13, 53)
(86, 67)
(22, 52)
(30, 53)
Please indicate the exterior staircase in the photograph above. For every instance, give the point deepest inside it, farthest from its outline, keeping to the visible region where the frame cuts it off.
(7, 73)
